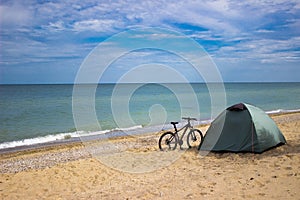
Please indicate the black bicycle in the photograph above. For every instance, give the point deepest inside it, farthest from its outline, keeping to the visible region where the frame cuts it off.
(169, 140)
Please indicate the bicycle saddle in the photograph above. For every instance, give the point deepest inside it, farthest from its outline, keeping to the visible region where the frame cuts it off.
(174, 123)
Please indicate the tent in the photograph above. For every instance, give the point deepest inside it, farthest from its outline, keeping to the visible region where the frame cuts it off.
(242, 128)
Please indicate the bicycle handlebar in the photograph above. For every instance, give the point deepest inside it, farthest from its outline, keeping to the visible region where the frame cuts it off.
(189, 118)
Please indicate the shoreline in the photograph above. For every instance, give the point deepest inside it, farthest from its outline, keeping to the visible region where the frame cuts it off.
(108, 134)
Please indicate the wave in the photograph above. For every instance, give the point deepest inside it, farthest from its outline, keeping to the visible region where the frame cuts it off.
(38, 140)
(282, 111)
(61, 137)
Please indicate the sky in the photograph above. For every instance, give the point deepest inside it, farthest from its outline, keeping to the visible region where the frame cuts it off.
(249, 41)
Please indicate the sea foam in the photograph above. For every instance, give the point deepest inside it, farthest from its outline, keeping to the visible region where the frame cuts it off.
(61, 137)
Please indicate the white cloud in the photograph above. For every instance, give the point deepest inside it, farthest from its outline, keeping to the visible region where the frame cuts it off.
(56, 26)
(14, 15)
(264, 31)
(98, 25)
(263, 50)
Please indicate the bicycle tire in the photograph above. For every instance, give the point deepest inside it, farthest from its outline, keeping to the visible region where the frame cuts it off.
(194, 138)
(167, 141)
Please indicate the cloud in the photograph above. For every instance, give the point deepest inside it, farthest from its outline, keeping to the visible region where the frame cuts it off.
(14, 15)
(264, 31)
(263, 50)
(105, 25)
(57, 26)
(231, 31)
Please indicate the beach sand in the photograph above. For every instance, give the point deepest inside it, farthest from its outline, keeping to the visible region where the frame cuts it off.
(134, 168)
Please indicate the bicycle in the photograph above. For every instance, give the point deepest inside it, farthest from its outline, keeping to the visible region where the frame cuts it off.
(169, 140)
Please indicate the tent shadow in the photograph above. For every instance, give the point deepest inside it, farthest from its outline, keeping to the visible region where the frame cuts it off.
(289, 148)
(281, 150)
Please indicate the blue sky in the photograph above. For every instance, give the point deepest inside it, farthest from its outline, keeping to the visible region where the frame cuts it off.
(46, 41)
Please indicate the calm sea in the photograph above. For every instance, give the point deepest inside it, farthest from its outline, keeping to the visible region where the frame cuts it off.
(40, 113)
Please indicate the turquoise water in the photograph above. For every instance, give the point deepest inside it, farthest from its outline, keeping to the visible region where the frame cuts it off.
(37, 111)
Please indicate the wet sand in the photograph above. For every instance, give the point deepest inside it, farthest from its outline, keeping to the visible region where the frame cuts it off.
(134, 168)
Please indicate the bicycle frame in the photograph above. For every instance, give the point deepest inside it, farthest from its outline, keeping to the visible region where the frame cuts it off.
(186, 127)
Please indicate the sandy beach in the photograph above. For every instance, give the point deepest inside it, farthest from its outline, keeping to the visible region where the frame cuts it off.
(134, 168)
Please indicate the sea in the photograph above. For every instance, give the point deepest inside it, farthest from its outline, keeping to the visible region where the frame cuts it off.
(37, 114)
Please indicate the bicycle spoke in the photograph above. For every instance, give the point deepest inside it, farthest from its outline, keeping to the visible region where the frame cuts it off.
(167, 142)
(194, 138)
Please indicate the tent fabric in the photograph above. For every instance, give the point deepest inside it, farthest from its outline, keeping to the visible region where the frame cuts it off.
(242, 128)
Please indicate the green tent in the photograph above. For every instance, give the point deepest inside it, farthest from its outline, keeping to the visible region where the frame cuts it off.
(242, 128)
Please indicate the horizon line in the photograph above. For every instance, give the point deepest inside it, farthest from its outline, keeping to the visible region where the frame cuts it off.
(61, 83)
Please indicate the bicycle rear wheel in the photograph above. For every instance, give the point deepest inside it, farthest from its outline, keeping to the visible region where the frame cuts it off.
(167, 142)
(194, 138)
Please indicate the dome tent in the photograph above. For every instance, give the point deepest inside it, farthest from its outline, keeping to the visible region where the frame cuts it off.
(242, 128)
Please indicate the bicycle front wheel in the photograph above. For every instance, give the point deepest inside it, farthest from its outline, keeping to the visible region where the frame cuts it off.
(194, 138)
(167, 142)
